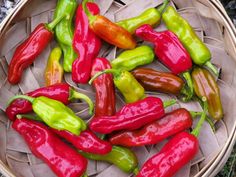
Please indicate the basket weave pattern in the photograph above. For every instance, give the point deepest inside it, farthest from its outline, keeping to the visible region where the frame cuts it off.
(206, 22)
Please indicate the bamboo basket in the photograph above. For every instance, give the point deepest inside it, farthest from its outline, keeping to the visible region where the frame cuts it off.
(208, 19)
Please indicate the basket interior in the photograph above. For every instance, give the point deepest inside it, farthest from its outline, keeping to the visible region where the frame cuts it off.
(15, 153)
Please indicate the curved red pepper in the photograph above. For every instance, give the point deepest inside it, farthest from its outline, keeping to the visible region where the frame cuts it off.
(26, 53)
(58, 92)
(131, 116)
(85, 43)
(87, 141)
(60, 157)
(175, 154)
(153, 133)
(104, 88)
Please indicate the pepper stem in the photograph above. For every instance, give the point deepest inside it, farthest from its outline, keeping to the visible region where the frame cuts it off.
(209, 65)
(51, 25)
(76, 95)
(169, 103)
(85, 175)
(90, 16)
(197, 129)
(195, 114)
(189, 92)
(115, 72)
(29, 116)
(163, 6)
(136, 170)
(25, 97)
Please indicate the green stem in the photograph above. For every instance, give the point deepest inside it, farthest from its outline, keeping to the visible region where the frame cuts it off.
(136, 170)
(189, 91)
(209, 65)
(195, 114)
(85, 175)
(29, 116)
(25, 97)
(209, 121)
(51, 25)
(169, 103)
(115, 72)
(163, 6)
(76, 95)
(198, 127)
(90, 16)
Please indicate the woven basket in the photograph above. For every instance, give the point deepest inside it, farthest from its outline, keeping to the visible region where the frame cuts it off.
(211, 23)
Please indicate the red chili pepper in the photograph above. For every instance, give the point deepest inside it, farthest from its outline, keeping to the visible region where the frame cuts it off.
(104, 88)
(29, 50)
(132, 116)
(61, 92)
(43, 143)
(85, 43)
(87, 141)
(170, 52)
(172, 123)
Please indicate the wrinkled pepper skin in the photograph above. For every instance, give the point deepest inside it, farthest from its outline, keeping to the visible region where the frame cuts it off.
(64, 31)
(174, 155)
(153, 80)
(58, 92)
(168, 49)
(155, 132)
(121, 157)
(130, 59)
(198, 51)
(205, 85)
(109, 31)
(28, 51)
(132, 116)
(85, 43)
(87, 141)
(54, 72)
(104, 89)
(151, 16)
(61, 158)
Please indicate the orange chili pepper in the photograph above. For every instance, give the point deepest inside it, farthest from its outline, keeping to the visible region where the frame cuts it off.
(109, 31)
(54, 71)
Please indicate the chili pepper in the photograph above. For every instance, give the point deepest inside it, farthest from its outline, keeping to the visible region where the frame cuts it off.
(132, 116)
(205, 85)
(170, 52)
(153, 133)
(61, 92)
(175, 154)
(153, 80)
(61, 158)
(64, 31)
(122, 157)
(198, 51)
(130, 59)
(109, 31)
(30, 49)
(54, 71)
(86, 44)
(104, 88)
(54, 113)
(126, 83)
(151, 16)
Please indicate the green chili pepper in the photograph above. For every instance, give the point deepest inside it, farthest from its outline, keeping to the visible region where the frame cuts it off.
(122, 157)
(151, 16)
(64, 31)
(198, 51)
(130, 59)
(126, 83)
(54, 113)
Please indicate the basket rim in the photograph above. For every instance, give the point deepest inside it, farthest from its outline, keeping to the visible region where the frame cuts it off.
(227, 148)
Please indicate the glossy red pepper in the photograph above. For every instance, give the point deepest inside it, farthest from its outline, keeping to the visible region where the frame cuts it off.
(153, 133)
(104, 88)
(61, 92)
(43, 143)
(132, 116)
(29, 50)
(85, 43)
(87, 141)
(169, 51)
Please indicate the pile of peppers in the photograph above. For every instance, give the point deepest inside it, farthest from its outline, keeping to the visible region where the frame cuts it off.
(47, 124)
